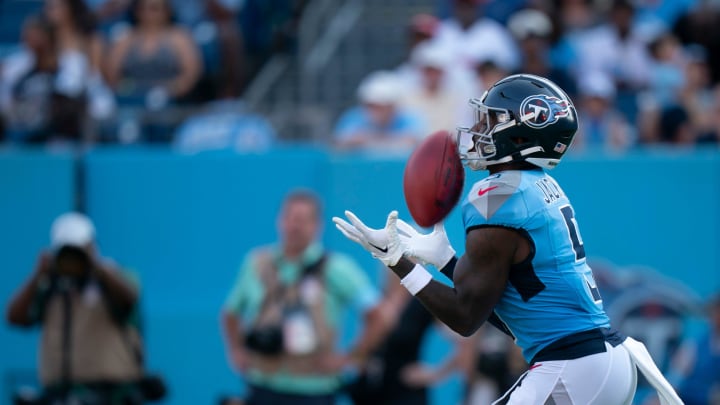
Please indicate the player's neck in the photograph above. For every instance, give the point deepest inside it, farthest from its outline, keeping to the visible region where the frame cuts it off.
(518, 165)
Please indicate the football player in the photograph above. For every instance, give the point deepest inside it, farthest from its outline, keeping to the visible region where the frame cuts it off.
(524, 269)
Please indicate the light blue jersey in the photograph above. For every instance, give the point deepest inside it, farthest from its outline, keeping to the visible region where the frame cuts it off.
(553, 295)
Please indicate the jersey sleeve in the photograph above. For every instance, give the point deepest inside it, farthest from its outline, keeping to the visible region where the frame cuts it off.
(244, 282)
(496, 200)
(346, 279)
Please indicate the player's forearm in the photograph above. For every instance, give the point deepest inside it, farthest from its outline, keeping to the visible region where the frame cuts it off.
(445, 303)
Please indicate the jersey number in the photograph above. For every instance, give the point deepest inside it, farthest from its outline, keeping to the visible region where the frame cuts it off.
(573, 231)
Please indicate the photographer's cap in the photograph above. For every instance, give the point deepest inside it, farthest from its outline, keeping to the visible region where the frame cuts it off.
(72, 229)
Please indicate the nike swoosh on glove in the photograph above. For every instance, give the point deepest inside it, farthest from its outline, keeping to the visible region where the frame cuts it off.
(384, 244)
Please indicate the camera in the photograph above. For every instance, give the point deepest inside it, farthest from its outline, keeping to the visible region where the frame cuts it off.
(267, 340)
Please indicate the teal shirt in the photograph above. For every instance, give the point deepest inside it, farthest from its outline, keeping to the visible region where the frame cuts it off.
(346, 286)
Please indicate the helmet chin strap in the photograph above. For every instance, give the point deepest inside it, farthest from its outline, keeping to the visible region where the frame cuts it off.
(481, 164)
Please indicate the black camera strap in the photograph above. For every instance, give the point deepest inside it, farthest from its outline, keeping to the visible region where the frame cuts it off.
(66, 364)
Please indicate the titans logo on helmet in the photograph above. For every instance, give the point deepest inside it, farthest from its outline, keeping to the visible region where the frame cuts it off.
(543, 110)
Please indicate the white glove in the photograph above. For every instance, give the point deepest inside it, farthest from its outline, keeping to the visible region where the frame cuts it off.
(433, 248)
(384, 244)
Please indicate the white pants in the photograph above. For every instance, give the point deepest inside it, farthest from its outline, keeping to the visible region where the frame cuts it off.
(608, 378)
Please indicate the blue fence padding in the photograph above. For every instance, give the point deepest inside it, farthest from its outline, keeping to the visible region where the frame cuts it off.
(184, 223)
(35, 187)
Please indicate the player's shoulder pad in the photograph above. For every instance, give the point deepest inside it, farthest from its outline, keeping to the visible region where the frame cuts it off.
(489, 197)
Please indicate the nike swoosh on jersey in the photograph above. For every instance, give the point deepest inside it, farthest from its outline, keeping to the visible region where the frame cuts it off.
(482, 191)
(384, 250)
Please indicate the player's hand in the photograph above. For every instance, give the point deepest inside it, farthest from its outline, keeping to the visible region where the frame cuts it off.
(384, 244)
(433, 248)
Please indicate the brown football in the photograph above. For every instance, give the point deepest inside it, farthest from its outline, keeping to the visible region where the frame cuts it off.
(433, 179)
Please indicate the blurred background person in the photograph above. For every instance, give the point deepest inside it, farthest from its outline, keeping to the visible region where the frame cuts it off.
(86, 307)
(282, 317)
(221, 44)
(394, 374)
(602, 125)
(77, 37)
(379, 122)
(224, 125)
(700, 24)
(153, 67)
(697, 362)
(155, 57)
(698, 96)
(667, 70)
(469, 34)
(433, 96)
(75, 29)
(618, 49)
(42, 95)
(532, 29)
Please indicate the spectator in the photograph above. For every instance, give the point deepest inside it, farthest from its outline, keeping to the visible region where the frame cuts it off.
(421, 29)
(74, 26)
(697, 94)
(42, 91)
(282, 316)
(486, 73)
(434, 96)
(379, 122)
(570, 18)
(455, 77)
(156, 62)
(469, 35)
(601, 124)
(90, 347)
(667, 69)
(222, 47)
(697, 362)
(394, 374)
(224, 125)
(533, 29)
(675, 127)
(618, 50)
(701, 25)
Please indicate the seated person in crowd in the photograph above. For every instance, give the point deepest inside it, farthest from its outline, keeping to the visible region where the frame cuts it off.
(603, 125)
(155, 62)
(378, 122)
(435, 94)
(76, 34)
(41, 90)
(224, 125)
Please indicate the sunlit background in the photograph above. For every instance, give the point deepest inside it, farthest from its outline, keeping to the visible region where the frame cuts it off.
(179, 125)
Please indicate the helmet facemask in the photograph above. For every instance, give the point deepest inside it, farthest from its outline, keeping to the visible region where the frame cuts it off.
(476, 145)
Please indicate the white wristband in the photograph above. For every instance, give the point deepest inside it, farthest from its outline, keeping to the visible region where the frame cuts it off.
(417, 279)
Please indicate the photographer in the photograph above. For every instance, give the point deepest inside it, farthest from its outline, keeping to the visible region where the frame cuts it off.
(282, 318)
(90, 348)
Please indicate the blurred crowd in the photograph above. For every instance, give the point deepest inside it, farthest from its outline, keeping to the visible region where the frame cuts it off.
(639, 72)
(126, 71)
(172, 71)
